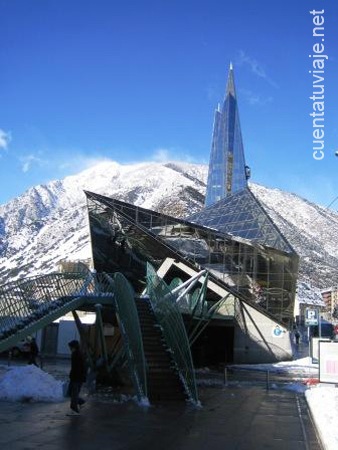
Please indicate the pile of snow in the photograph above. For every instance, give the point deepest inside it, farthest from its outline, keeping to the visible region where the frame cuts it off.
(29, 383)
(301, 367)
(323, 403)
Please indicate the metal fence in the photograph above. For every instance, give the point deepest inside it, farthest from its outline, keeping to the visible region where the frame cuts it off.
(23, 301)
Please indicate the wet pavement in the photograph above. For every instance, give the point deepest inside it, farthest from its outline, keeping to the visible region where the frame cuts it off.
(234, 418)
(240, 412)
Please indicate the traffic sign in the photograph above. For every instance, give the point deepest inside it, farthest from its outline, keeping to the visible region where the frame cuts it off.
(311, 317)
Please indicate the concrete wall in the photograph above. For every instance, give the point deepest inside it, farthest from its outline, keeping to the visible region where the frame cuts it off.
(67, 332)
(259, 339)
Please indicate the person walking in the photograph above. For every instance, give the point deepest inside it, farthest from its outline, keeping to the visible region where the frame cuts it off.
(77, 376)
(297, 337)
(33, 352)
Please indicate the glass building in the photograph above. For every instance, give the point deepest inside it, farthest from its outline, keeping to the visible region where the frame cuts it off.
(249, 264)
(126, 237)
(228, 172)
(241, 214)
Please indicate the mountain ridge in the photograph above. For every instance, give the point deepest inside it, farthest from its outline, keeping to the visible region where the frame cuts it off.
(48, 223)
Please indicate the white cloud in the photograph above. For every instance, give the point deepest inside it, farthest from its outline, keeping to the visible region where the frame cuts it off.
(4, 139)
(212, 92)
(29, 160)
(162, 155)
(255, 67)
(79, 162)
(62, 163)
(65, 163)
(255, 99)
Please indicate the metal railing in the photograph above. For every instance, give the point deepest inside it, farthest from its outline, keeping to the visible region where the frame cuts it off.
(30, 304)
(24, 301)
(130, 328)
(194, 303)
(170, 319)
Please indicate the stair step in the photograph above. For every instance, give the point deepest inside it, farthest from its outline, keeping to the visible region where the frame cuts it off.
(154, 340)
(156, 353)
(152, 332)
(164, 383)
(178, 396)
(163, 380)
(155, 369)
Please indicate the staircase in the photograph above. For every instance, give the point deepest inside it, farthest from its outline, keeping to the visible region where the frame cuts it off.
(163, 380)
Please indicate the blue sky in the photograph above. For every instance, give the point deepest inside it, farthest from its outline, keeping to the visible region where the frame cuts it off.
(83, 80)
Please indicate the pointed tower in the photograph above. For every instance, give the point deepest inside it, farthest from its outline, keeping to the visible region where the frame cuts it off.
(227, 170)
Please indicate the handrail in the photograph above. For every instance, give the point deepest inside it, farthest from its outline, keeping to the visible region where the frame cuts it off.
(23, 300)
(170, 319)
(30, 304)
(130, 328)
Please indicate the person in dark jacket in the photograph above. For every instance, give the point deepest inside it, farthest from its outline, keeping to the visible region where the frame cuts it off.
(77, 377)
(33, 352)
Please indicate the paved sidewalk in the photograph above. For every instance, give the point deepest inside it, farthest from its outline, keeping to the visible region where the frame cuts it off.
(230, 418)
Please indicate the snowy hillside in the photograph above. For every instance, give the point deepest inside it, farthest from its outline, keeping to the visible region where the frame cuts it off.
(311, 229)
(48, 223)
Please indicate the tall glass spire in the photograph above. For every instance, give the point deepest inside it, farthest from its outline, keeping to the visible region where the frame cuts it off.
(227, 170)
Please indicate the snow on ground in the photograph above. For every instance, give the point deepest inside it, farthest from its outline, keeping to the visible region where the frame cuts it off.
(29, 383)
(303, 366)
(322, 398)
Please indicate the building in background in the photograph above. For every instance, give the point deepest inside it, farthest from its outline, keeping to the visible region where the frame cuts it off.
(228, 172)
(250, 264)
(330, 298)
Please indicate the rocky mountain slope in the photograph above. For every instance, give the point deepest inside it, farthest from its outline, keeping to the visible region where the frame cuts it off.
(48, 224)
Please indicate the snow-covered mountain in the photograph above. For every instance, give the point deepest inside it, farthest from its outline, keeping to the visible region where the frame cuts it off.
(311, 229)
(48, 224)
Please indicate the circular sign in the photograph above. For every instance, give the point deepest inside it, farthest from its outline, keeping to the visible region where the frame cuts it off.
(277, 331)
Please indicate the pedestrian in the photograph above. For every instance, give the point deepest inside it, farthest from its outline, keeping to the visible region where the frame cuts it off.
(33, 352)
(77, 377)
(297, 337)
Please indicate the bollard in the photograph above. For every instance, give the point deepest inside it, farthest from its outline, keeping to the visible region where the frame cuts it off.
(267, 380)
(225, 377)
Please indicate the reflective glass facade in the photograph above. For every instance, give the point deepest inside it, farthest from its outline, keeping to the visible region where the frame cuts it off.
(241, 214)
(125, 237)
(227, 169)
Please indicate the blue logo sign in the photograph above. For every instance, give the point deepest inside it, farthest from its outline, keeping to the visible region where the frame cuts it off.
(277, 331)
